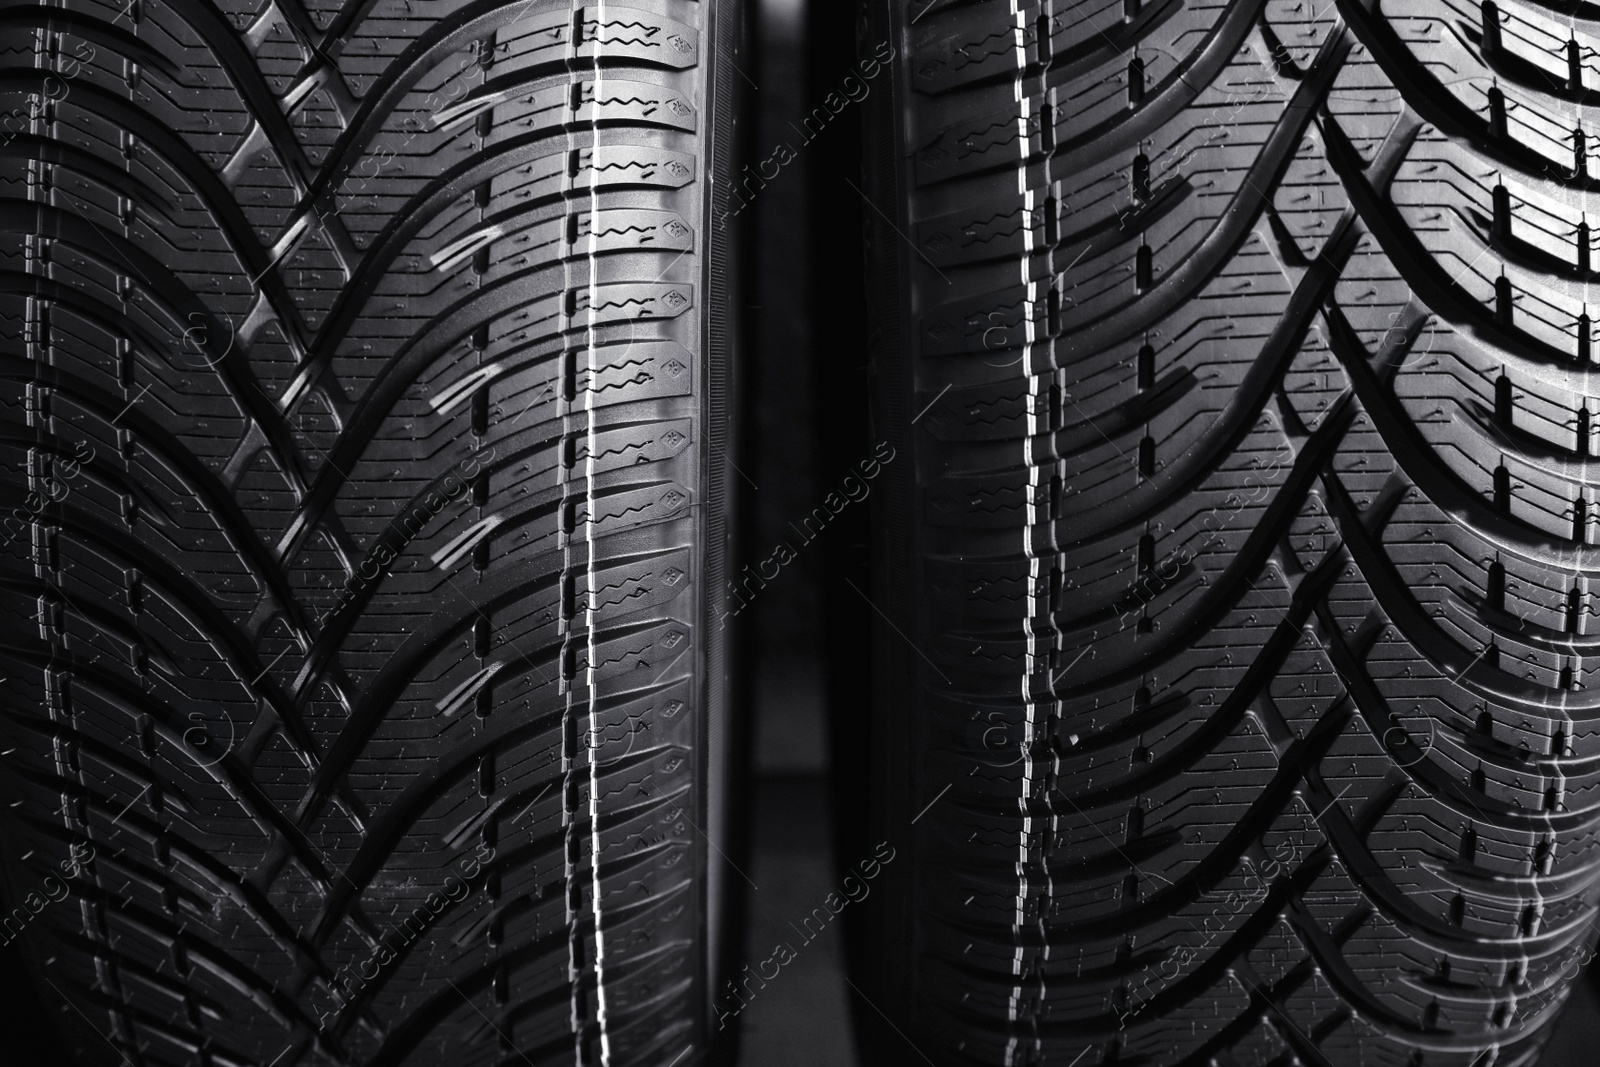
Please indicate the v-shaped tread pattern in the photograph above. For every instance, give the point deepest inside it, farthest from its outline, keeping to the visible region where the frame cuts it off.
(360, 397)
(1253, 509)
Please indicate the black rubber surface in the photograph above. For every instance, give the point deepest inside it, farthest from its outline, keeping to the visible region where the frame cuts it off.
(362, 467)
(1236, 697)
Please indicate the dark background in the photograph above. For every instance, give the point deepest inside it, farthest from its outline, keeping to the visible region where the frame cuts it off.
(807, 636)
(807, 425)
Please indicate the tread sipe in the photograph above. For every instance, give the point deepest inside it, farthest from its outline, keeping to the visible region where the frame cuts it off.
(1238, 701)
(362, 424)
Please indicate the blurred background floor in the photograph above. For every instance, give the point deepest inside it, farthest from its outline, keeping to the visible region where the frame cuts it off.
(801, 1017)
